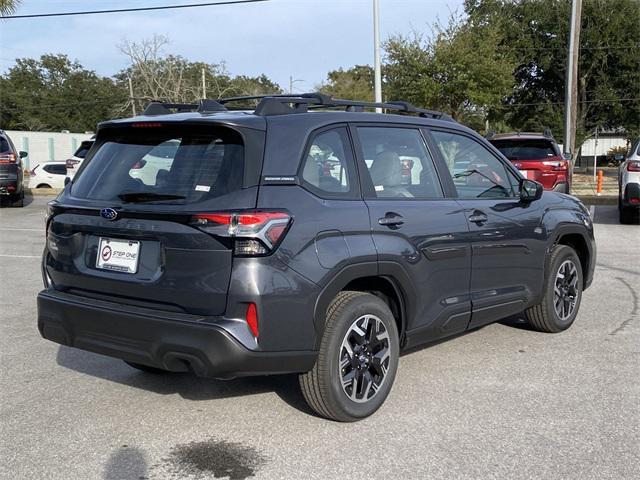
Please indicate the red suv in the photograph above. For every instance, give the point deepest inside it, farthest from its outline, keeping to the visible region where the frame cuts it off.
(537, 156)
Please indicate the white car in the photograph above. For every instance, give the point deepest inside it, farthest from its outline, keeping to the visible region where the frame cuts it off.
(158, 159)
(629, 186)
(73, 163)
(48, 175)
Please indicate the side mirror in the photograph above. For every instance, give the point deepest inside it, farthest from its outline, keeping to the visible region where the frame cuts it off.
(567, 156)
(67, 181)
(618, 157)
(23, 154)
(530, 190)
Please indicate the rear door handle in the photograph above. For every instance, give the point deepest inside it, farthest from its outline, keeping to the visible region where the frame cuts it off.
(391, 219)
(478, 217)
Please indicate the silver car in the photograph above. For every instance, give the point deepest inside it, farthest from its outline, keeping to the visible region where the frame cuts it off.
(629, 186)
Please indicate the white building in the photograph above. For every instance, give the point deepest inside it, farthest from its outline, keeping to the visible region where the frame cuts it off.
(46, 146)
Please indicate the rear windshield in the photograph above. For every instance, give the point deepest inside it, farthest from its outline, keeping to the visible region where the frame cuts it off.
(4, 145)
(189, 164)
(526, 149)
(82, 151)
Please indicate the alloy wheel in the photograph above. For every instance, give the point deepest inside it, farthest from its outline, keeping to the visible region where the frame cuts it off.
(565, 290)
(364, 358)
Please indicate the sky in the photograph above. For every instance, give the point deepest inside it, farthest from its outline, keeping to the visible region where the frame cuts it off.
(303, 39)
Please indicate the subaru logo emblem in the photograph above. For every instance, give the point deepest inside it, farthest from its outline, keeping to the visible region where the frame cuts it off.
(108, 213)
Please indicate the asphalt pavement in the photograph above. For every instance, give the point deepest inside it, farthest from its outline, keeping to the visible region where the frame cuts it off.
(499, 402)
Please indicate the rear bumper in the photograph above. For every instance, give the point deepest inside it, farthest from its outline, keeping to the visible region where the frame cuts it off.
(631, 197)
(163, 340)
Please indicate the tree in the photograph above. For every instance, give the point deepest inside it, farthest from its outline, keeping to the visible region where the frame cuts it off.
(355, 83)
(55, 93)
(537, 31)
(8, 7)
(457, 69)
(156, 75)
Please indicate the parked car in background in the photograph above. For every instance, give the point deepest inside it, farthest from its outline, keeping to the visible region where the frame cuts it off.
(48, 175)
(11, 175)
(629, 186)
(74, 163)
(537, 156)
(294, 240)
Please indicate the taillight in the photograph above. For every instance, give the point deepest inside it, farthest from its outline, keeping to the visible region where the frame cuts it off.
(254, 233)
(560, 165)
(252, 319)
(7, 158)
(633, 167)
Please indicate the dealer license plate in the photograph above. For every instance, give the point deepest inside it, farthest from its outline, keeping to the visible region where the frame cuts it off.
(118, 255)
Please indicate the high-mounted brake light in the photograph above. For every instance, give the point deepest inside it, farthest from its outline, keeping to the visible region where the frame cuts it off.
(255, 232)
(633, 167)
(146, 125)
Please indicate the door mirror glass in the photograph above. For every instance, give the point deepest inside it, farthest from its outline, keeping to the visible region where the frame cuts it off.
(530, 190)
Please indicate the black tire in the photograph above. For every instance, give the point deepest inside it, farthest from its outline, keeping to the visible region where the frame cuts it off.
(626, 215)
(44, 185)
(19, 202)
(146, 368)
(322, 387)
(544, 317)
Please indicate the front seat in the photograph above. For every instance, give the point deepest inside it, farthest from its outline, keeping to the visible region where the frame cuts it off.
(386, 175)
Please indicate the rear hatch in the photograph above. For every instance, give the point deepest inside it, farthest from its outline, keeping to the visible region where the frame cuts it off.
(537, 159)
(122, 231)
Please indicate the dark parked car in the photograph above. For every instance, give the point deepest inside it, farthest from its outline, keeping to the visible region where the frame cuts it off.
(11, 174)
(246, 255)
(538, 158)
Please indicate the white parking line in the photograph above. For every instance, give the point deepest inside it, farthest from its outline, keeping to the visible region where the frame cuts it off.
(592, 211)
(19, 256)
(41, 230)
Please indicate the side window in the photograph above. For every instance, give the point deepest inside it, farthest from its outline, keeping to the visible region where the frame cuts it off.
(399, 163)
(476, 172)
(328, 164)
(58, 169)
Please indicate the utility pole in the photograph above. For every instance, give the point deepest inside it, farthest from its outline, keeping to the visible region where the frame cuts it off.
(291, 82)
(133, 101)
(204, 85)
(571, 81)
(376, 54)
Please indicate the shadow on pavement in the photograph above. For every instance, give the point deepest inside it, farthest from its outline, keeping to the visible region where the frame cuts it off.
(126, 463)
(188, 386)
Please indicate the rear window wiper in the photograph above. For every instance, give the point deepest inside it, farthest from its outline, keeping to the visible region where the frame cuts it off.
(139, 197)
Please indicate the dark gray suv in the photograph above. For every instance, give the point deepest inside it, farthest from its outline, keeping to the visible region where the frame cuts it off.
(306, 235)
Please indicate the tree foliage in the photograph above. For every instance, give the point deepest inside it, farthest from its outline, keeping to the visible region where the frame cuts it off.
(55, 93)
(157, 75)
(355, 83)
(457, 69)
(536, 33)
(8, 7)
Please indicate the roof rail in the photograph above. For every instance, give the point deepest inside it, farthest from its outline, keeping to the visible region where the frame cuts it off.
(203, 106)
(280, 104)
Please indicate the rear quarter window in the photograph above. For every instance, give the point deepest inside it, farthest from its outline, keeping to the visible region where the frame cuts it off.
(194, 163)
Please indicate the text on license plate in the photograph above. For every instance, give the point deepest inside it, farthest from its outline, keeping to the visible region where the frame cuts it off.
(118, 255)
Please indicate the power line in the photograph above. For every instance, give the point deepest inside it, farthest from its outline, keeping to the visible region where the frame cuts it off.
(138, 9)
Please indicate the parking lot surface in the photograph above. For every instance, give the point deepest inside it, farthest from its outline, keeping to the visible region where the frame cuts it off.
(499, 402)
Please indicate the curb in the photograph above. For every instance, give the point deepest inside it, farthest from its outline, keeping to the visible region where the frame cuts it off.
(36, 192)
(598, 199)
